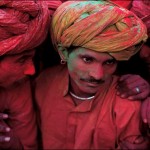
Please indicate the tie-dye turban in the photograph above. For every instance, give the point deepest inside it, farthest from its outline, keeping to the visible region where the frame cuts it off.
(98, 25)
(23, 25)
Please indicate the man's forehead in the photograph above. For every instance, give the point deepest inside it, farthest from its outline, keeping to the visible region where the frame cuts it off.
(92, 53)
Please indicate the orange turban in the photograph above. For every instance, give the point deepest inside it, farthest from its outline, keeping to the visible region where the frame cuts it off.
(98, 25)
(23, 25)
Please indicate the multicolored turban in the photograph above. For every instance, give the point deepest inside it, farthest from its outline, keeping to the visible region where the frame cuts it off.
(98, 25)
(23, 25)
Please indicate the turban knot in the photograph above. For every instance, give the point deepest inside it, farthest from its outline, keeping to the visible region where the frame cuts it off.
(98, 25)
(23, 25)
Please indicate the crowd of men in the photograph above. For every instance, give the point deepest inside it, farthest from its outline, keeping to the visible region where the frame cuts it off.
(97, 97)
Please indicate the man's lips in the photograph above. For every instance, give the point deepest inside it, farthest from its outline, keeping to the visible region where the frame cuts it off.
(92, 83)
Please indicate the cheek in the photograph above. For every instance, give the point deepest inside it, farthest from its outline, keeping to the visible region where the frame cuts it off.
(76, 69)
(111, 69)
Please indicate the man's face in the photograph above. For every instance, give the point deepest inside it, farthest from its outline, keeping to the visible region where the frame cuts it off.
(89, 70)
(14, 68)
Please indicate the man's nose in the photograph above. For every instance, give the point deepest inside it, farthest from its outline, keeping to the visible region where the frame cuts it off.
(97, 72)
(29, 69)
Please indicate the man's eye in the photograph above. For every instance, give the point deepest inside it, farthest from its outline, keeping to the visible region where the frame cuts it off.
(87, 59)
(110, 62)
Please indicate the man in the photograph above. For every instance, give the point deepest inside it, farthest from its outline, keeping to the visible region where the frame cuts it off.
(142, 9)
(23, 26)
(77, 103)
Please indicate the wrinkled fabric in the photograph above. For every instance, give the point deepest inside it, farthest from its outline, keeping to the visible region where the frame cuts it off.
(98, 25)
(23, 25)
(101, 123)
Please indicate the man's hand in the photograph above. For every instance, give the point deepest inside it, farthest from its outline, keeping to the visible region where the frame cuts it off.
(7, 137)
(4, 129)
(139, 144)
(133, 87)
(145, 111)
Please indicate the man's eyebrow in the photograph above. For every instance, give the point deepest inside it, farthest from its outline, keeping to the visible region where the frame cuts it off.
(86, 55)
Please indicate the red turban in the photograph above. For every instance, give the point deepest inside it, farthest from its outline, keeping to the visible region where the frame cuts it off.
(52, 5)
(142, 9)
(98, 25)
(23, 25)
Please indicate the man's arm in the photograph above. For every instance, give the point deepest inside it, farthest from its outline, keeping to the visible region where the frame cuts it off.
(22, 119)
(127, 119)
(127, 89)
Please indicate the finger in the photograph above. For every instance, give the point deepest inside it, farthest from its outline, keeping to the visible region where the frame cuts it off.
(144, 109)
(3, 116)
(142, 145)
(4, 129)
(133, 84)
(139, 96)
(132, 94)
(123, 146)
(131, 78)
(4, 139)
(148, 112)
(124, 77)
(139, 140)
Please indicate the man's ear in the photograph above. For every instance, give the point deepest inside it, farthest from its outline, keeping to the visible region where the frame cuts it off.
(63, 53)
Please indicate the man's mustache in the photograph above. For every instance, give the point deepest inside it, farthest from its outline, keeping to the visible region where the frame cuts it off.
(92, 80)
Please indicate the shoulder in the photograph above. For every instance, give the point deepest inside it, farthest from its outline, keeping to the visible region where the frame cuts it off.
(46, 82)
(49, 74)
(128, 107)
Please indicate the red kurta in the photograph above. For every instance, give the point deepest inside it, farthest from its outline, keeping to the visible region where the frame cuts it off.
(17, 103)
(100, 123)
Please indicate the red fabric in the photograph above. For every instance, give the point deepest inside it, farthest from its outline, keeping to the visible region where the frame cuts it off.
(17, 103)
(23, 25)
(98, 124)
(142, 9)
(124, 3)
(52, 5)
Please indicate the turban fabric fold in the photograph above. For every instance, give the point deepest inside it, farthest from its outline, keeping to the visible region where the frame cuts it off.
(98, 25)
(23, 25)
(52, 5)
(142, 9)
